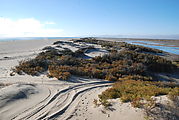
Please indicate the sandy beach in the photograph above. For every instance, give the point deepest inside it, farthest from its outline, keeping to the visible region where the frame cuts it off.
(25, 97)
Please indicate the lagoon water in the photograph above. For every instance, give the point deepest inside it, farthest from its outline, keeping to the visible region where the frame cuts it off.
(167, 48)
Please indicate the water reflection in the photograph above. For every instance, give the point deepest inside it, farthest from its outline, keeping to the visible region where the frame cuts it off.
(167, 48)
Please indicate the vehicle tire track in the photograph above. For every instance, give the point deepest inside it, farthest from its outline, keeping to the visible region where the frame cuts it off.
(43, 112)
(34, 105)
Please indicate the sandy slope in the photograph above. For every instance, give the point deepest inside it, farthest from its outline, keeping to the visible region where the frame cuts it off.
(36, 98)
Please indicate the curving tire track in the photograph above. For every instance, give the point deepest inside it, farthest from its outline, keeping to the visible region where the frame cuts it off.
(61, 111)
(58, 104)
(33, 106)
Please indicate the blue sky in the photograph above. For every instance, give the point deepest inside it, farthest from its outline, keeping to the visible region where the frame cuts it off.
(88, 17)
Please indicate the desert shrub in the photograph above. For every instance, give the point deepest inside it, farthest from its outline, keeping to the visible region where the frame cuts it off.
(67, 51)
(59, 72)
(31, 67)
(79, 52)
(89, 40)
(105, 103)
(95, 102)
(69, 60)
(135, 91)
(173, 95)
(97, 73)
(152, 62)
(58, 42)
(136, 77)
(110, 77)
(62, 42)
(48, 48)
(49, 54)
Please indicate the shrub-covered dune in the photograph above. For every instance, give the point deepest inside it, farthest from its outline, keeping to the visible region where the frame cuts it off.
(131, 67)
(64, 63)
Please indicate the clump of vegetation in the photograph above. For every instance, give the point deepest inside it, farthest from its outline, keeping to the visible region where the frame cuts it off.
(59, 72)
(48, 48)
(152, 62)
(61, 42)
(136, 77)
(30, 67)
(103, 102)
(139, 93)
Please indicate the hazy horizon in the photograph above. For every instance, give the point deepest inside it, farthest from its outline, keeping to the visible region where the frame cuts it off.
(174, 37)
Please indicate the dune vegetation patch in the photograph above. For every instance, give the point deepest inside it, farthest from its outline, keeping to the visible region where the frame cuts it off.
(142, 94)
(139, 92)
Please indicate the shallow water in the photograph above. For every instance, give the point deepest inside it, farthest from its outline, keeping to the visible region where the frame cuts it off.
(167, 48)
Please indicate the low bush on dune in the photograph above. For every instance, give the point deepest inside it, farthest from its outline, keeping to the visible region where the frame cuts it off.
(152, 62)
(141, 94)
(59, 72)
(136, 77)
(31, 67)
(138, 92)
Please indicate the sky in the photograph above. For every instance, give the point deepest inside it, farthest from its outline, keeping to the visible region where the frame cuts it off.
(74, 18)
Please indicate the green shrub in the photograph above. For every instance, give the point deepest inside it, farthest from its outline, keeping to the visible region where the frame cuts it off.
(135, 91)
(59, 72)
(31, 67)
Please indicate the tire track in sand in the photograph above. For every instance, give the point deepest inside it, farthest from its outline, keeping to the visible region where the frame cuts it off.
(58, 104)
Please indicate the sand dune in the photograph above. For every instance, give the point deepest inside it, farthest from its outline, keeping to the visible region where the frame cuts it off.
(39, 97)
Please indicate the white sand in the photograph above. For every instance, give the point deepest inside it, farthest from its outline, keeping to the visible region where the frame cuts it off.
(41, 97)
